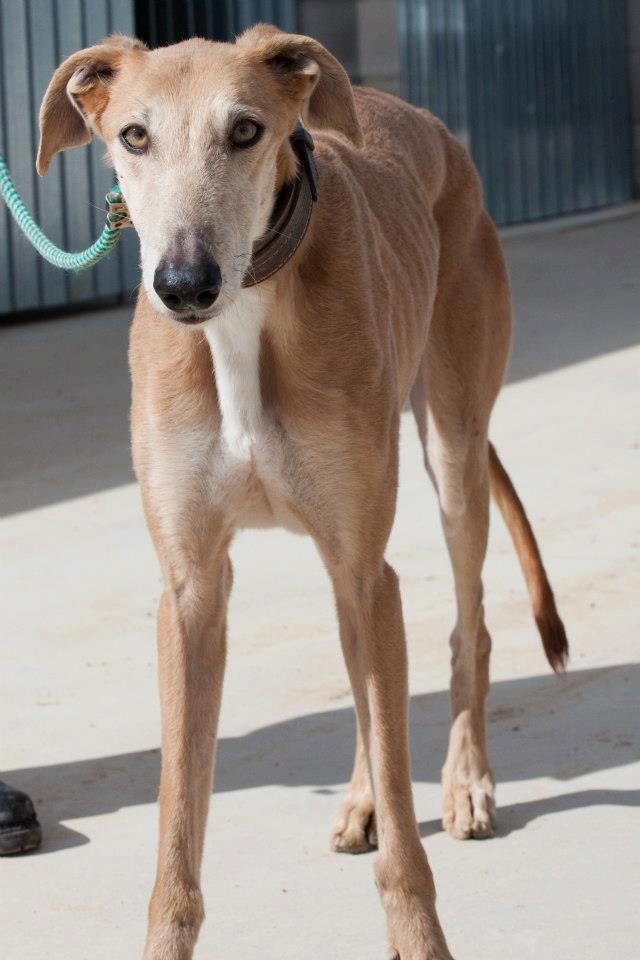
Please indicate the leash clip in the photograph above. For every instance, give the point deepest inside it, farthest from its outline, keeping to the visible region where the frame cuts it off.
(116, 207)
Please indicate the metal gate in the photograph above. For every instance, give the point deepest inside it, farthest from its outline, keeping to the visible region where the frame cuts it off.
(537, 90)
(35, 36)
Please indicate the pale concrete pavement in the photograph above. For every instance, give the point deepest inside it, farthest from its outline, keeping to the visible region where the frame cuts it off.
(78, 705)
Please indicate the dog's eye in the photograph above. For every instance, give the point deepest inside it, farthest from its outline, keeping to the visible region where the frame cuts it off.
(135, 138)
(245, 133)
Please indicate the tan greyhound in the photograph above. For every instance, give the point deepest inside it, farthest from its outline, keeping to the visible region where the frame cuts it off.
(276, 339)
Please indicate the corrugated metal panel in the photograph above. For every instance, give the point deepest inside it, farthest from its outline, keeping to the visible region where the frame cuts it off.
(536, 89)
(35, 36)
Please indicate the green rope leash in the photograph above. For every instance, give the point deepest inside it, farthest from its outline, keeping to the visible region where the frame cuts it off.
(117, 218)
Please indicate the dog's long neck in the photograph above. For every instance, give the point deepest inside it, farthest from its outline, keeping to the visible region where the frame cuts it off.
(234, 339)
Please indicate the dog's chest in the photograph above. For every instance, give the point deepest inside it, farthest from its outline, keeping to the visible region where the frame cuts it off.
(252, 485)
(251, 459)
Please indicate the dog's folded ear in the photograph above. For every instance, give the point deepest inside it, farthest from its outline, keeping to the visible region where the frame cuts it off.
(311, 75)
(77, 95)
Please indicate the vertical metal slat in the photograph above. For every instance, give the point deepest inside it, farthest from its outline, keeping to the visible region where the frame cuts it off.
(19, 146)
(6, 260)
(106, 276)
(49, 188)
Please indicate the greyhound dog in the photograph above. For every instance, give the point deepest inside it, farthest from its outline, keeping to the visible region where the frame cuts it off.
(292, 301)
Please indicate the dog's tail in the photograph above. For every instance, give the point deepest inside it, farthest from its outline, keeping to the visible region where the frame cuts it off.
(550, 626)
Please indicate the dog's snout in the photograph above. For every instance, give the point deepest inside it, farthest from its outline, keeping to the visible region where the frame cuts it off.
(187, 284)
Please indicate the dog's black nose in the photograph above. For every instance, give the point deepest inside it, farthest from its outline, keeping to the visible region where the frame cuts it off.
(187, 285)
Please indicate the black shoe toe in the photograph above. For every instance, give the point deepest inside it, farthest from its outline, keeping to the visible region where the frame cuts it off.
(19, 827)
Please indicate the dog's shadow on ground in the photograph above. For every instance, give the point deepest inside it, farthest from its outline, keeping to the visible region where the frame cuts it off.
(559, 728)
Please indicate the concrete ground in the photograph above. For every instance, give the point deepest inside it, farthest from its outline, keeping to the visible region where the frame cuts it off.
(79, 722)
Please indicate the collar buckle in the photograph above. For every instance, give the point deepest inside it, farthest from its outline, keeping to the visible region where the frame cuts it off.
(303, 147)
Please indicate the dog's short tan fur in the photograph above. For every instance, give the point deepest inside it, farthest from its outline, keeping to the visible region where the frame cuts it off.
(282, 405)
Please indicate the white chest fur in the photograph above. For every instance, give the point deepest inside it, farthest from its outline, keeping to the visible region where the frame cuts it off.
(234, 339)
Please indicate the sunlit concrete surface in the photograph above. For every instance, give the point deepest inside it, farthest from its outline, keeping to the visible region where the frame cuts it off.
(79, 724)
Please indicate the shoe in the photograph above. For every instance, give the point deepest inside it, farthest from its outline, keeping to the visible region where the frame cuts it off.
(19, 827)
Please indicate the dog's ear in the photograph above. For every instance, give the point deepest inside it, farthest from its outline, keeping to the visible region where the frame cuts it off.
(311, 76)
(77, 95)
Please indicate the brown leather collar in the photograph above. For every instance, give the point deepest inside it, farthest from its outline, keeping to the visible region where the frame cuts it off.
(290, 217)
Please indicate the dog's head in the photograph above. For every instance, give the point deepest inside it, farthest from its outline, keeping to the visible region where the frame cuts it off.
(198, 134)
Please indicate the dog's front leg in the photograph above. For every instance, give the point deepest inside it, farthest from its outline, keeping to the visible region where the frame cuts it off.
(372, 634)
(191, 650)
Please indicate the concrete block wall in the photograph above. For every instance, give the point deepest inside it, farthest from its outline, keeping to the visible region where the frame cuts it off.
(362, 34)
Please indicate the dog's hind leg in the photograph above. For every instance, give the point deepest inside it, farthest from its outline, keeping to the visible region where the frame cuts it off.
(452, 398)
(452, 408)
(461, 478)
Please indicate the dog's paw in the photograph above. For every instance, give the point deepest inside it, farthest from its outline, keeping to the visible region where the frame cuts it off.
(438, 955)
(355, 828)
(408, 897)
(469, 809)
